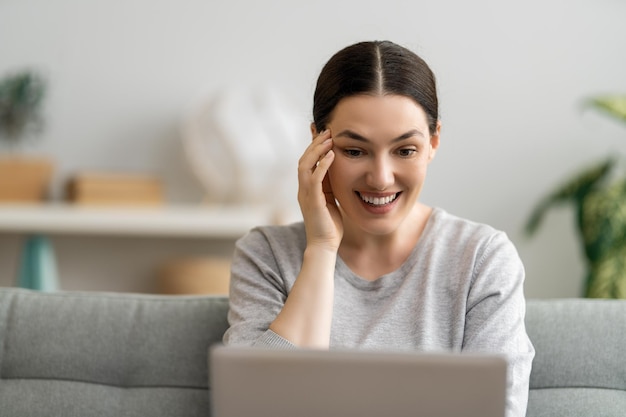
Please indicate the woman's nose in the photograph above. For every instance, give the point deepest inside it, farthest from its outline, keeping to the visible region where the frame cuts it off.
(380, 175)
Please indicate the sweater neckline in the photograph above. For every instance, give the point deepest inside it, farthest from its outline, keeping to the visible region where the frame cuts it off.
(394, 277)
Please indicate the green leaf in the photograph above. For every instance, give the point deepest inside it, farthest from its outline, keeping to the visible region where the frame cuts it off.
(21, 97)
(603, 220)
(607, 277)
(574, 190)
(614, 105)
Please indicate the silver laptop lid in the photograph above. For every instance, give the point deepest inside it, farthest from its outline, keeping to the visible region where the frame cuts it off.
(248, 382)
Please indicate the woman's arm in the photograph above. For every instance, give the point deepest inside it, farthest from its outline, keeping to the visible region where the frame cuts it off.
(305, 318)
(262, 273)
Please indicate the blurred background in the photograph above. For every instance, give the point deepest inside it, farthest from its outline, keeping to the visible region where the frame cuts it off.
(125, 76)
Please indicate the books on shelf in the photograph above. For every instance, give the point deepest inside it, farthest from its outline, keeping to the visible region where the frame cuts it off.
(115, 189)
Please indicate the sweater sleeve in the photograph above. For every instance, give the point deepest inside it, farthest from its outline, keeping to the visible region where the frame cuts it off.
(495, 317)
(257, 294)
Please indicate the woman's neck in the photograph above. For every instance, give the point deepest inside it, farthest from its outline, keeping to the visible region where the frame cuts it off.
(371, 256)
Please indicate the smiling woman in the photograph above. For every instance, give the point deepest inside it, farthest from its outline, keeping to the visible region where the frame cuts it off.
(371, 266)
(383, 148)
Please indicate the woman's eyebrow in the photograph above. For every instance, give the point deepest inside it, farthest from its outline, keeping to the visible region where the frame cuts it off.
(353, 135)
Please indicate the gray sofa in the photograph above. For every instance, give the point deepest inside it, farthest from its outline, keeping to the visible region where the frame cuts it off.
(101, 354)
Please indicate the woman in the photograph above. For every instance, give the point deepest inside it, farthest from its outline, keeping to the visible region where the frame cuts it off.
(371, 266)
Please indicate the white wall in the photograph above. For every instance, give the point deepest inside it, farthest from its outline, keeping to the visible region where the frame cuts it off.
(511, 76)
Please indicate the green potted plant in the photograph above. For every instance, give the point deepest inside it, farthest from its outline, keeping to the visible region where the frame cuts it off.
(598, 195)
(22, 179)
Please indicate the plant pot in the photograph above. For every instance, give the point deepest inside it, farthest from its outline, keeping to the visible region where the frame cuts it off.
(25, 179)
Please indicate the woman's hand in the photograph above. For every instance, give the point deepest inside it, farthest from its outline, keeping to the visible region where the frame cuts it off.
(322, 219)
(306, 318)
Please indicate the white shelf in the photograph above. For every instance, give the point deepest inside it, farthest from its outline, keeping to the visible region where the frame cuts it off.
(168, 221)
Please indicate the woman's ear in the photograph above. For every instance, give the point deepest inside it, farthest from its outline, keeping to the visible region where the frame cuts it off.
(434, 142)
(313, 130)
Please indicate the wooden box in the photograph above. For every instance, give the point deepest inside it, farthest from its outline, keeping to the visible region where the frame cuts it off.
(25, 179)
(115, 189)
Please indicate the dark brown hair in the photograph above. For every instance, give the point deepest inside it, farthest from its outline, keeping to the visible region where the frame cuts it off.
(375, 68)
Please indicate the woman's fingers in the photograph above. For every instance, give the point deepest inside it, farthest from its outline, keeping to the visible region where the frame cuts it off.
(315, 149)
(326, 187)
(313, 156)
(312, 169)
(321, 217)
(322, 165)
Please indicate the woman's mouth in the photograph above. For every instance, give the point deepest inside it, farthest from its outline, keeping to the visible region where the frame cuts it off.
(378, 201)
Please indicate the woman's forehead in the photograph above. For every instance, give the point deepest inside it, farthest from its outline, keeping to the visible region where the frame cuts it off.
(394, 114)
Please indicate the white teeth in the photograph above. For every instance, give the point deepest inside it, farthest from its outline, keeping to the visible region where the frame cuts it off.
(379, 201)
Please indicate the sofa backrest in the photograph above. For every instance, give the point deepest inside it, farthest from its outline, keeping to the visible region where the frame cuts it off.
(98, 354)
(87, 354)
(580, 366)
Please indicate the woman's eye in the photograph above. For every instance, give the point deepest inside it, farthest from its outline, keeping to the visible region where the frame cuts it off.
(353, 153)
(407, 152)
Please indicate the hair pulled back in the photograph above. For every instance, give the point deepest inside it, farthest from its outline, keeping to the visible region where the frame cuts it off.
(375, 68)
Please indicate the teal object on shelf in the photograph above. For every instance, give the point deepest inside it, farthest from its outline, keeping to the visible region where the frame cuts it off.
(38, 270)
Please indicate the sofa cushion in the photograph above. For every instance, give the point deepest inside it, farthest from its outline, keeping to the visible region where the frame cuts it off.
(48, 397)
(578, 343)
(107, 352)
(576, 402)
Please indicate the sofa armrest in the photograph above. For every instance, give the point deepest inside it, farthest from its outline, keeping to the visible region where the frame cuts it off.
(579, 363)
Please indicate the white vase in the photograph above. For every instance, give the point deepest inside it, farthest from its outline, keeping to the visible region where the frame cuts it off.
(243, 145)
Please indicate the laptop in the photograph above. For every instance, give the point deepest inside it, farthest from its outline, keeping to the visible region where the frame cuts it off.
(247, 382)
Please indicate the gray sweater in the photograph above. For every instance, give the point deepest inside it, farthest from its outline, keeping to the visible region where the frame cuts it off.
(461, 289)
